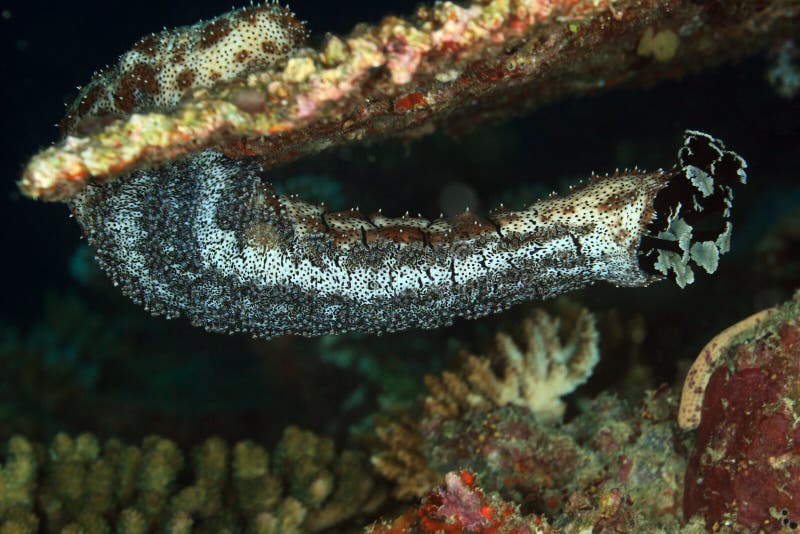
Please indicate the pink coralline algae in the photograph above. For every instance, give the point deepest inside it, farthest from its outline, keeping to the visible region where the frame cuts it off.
(745, 470)
(460, 506)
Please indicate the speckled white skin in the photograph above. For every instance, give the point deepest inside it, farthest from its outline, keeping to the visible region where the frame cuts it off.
(161, 68)
(209, 239)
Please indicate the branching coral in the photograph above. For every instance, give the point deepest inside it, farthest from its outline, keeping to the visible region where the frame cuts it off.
(402, 458)
(551, 360)
(611, 467)
(79, 485)
(556, 355)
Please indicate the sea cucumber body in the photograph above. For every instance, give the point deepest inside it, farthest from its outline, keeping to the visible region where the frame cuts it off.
(162, 68)
(208, 238)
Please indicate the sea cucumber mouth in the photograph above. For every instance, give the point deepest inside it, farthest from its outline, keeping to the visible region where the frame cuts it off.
(208, 237)
(692, 213)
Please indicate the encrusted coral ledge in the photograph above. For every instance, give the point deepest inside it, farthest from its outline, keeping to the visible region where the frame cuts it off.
(447, 66)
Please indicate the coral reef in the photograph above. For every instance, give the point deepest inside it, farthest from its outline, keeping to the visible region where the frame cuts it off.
(494, 445)
(448, 66)
(550, 362)
(78, 485)
(611, 467)
(480, 457)
(744, 471)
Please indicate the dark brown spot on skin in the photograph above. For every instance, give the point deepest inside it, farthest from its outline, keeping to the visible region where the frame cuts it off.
(501, 217)
(241, 56)
(313, 226)
(621, 236)
(213, 32)
(179, 55)
(124, 99)
(616, 201)
(147, 46)
(141, 78)
(344, 215)
(395, 234)
(144, 79)
(293, 27)
(268, 47)
(88, 101)
(123, 96)
(647, 216)
(436, 238)
(469, 225)
(346, 237)
(248, 15)
(185, 79)
(214, 76)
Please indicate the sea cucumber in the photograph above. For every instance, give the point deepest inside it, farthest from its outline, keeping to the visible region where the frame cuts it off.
(207, 237)
(161, 68)
(707, 362)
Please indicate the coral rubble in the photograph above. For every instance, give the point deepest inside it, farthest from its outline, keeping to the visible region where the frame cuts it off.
(460, 506)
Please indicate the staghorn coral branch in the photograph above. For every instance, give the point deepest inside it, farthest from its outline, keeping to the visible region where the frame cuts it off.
(448, 66)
